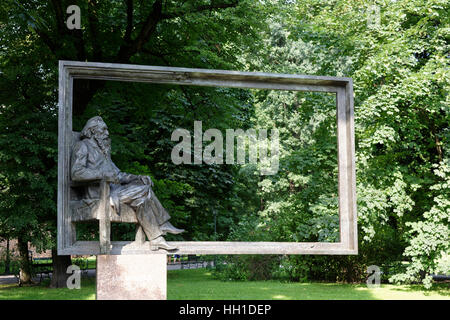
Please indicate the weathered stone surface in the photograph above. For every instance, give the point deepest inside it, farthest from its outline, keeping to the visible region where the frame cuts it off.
(132, 277)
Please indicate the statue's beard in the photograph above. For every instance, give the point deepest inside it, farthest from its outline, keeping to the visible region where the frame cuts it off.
(104, 143)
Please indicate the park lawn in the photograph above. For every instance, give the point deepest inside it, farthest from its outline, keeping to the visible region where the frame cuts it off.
(91, 263)
(199, 284)
(42, 292)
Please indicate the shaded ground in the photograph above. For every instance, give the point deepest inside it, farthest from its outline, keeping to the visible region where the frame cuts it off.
(89, 273)
(199, 284)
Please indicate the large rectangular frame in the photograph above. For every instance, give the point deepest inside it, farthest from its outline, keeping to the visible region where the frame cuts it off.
(342, 87)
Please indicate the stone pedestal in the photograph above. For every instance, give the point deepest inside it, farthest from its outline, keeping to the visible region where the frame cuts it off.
(132, 277)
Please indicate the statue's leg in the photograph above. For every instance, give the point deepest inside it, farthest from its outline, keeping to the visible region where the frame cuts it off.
(161, 214)
(140, 235)
(136, 196)
(147, 221)
(149, 212)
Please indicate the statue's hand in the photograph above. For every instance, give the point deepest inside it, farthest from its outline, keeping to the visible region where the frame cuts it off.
(147, 180)
(111, 177)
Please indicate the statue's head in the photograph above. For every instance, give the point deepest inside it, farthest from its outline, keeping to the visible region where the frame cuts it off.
(95, 128)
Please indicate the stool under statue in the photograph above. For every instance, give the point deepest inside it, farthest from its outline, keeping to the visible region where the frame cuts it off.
(105, 191)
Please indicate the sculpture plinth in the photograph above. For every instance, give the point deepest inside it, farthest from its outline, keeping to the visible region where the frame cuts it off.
(132, 277)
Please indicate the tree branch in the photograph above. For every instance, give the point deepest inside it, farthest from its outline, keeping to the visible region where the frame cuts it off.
(171, 15)
(59, 14)
(149, 26)
(52, 45)
(93, 29)
(77, 35)
(78, 40)
(37, 27)
(127, 50)
(129, 28)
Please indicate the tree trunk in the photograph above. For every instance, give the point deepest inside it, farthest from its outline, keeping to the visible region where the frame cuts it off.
(8, 258)
(59, 274)
(25, 263)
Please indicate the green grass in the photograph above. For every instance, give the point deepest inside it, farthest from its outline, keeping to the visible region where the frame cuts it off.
(91, 262)
(42, 292)
(14, 265)
(198, 284)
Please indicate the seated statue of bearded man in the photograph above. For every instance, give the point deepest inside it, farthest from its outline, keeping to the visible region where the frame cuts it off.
(91, 160)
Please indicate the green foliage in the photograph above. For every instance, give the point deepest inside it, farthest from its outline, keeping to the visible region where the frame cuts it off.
(245, 267)
(400, 71)
(28, 139)
(399, 65)
(14, 263)
(141, 117)
(428, 247)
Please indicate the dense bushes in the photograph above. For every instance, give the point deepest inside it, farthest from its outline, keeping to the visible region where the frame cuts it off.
(246, 267)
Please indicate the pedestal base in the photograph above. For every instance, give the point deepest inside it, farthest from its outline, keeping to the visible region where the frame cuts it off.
(132, 277)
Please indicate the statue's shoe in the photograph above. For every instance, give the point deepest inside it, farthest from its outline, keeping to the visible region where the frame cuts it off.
(160, 243)
(169, 228)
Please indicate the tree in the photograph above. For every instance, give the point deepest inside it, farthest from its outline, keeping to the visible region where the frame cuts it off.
(34, 37)
(402, 115)
(5, 236)
(397, 60)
